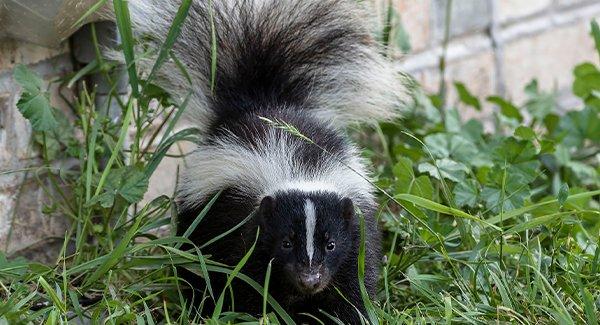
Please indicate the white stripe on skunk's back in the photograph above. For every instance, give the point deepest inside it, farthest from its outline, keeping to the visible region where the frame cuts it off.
(268, 168)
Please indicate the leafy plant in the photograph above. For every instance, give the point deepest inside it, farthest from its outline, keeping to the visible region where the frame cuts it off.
(528, 247)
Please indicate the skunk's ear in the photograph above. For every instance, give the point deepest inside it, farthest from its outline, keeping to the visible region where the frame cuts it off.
(347, 209)
(267, 206)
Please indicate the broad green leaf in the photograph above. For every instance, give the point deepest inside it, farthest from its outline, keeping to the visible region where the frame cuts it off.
(518, 156)
(446, 168)
(551, 122)
(506, 197)
(134, 185)
(422, 187)
(34, 103)
(527, 169)
(30, 82)
(540, 103)
(453, 123)
(407, 182)
(584, 69)
(455, 147)
(525, 133)
(563, 194)
(473, 131)
(587, 80)
(547, 146)
(466, 97)
(129, 183)
(596, 35)
(512, 150)
(403, 171)
(466, 193)
(507, 108)
(586, 174)
(579, 126)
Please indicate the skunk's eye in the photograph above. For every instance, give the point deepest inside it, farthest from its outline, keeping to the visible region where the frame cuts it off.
(330, 246)
(286, 244)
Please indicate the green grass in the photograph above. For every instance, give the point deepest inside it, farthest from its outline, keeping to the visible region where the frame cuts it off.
(479, 226)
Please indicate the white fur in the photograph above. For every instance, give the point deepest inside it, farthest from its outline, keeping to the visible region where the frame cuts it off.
(268, 170)
(305, 186)
(310, 223)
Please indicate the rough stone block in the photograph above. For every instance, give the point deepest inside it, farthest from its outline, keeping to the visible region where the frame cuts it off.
(3, 111)
(416, 19)
(476, 72)
(14, 52)
(29, 228)
(564, 3)
(6, 205)
(467, 16)
(164, 179)
(549, 56)
(33, 234)
(514, 9)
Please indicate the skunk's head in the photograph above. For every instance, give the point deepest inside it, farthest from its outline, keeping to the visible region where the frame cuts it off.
(308, 236)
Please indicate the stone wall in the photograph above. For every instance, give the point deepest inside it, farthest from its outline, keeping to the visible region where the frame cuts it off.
(498, 46)
(22, 226)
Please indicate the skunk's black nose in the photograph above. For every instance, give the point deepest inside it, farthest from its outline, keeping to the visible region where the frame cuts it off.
(310, 281)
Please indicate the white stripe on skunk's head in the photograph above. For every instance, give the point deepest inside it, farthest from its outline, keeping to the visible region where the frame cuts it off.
(269, 168)
(310, 223)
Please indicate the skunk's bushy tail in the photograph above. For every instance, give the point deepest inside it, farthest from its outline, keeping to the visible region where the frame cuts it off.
(317, 55)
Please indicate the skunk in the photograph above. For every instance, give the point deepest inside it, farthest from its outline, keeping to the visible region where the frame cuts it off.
(313, 67)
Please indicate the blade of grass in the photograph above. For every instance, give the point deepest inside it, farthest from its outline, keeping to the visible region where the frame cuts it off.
(199, 218)
(213, 47)
(117, 149)
(127, 42)
(535, 222)
(89, 169)
(232, 275)
(361, 272)
(88, 13)
(276, 306)
(520, 211)
(434, 206)
(266, 291)
(53, 295)
(172, 36)
(84, 71)
(116, 255)
(587, 298)
(228, 231)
